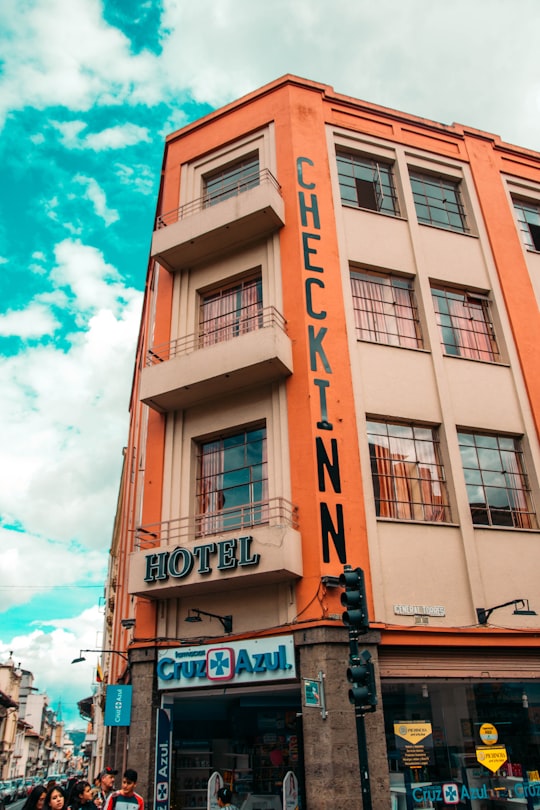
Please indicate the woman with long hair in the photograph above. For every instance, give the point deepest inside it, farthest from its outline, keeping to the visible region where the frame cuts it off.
(81, 796)
(35, 799)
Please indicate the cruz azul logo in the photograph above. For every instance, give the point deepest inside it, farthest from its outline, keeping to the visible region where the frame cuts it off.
(248, 661)
(220, 664)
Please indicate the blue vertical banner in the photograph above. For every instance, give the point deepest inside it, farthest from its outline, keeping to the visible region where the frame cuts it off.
(118, 705)
(163, 759)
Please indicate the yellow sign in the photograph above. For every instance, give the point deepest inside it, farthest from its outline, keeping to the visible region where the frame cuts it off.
(492, 757)
(412, 732)
(488, 734)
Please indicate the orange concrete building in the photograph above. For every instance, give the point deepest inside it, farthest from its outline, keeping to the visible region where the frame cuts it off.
(337, 365)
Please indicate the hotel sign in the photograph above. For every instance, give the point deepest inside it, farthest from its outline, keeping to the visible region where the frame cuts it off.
(256, 660)
(179, 563)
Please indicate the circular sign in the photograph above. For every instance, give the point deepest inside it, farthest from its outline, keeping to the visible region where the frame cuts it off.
(488, 734)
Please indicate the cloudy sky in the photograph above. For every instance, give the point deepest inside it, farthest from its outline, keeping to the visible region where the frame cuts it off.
(88, 89)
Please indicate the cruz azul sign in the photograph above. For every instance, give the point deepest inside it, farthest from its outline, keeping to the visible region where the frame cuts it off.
(256, 660)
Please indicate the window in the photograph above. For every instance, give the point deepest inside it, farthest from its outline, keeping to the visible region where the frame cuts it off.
(366, 183)
(465, 324)
(438, 202)
(385, 309)
(232, 482)
(408, 476)
(231, 311)
(528, 215)
(496, 481)
(231, 180)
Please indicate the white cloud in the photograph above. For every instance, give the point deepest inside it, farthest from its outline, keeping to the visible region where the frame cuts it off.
(34, 321)
(62, 52)
(61, 565)
(95, 194)
(64, 408)
(48, 655)
(117, 137)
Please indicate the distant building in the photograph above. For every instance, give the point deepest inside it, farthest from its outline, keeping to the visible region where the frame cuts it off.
(337, 365)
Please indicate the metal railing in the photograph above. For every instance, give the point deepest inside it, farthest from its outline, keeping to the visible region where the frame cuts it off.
(259, 178)
(274, 512)
(268, 316)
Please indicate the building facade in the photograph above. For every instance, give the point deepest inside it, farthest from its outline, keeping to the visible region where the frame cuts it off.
(337, 365)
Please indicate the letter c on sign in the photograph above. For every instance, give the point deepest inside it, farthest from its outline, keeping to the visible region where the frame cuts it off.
(300, 173)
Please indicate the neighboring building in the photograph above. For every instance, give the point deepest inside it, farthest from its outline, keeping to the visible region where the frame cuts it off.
(337, 365)
(10, 681)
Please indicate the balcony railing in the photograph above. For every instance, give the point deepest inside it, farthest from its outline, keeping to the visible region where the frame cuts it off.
(258, 178)
(275, 512)
(269, 316)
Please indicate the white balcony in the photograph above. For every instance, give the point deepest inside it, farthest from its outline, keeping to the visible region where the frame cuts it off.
(205, 228)
(183, 373)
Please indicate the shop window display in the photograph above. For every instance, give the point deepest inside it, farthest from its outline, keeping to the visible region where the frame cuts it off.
(472, 745)
(251, 747)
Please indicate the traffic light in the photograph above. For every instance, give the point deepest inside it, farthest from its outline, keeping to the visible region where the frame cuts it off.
(354, 599)
(361, 674)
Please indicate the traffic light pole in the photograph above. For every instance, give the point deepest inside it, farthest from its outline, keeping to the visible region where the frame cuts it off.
(360, 732)
(361, 674)
(363, 759)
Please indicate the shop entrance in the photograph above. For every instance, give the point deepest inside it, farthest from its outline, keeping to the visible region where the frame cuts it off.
(251, 738)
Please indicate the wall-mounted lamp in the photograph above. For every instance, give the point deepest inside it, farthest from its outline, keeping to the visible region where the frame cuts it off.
(525, 700)
(127, 624)
(484, 613)
(425, 690)
(330, 582)
(194, 615)
(82, 658)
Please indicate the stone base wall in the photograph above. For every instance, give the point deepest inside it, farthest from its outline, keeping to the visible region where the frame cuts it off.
(332, 771)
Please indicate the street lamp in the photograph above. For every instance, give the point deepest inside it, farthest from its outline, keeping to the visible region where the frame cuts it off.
(194, 615)
(115, 652)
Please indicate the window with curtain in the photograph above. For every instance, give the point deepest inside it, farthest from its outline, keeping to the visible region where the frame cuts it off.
(528, 216)
(366, 183)
(465, 324)
(497, 484)
(231, 311)
(385, 309)
(231, 180)
(407, 472)
(438, 201)
(232, 482)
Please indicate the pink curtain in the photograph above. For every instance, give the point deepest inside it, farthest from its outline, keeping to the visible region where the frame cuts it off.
(410, 487)
(471, 329)
(517, 493)
(383, 313)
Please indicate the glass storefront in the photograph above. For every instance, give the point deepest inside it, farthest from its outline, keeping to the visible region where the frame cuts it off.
(463, 743)
(251, 740)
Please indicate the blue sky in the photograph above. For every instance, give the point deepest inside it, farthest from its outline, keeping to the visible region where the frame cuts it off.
(88, 90)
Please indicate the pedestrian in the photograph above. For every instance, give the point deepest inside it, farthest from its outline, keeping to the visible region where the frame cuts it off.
(81, 796)
(224, 798)
(105, 786)
(126, 798)
(55, 798)
(35, 799)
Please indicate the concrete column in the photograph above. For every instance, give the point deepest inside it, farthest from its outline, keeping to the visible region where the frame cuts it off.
(332, 772)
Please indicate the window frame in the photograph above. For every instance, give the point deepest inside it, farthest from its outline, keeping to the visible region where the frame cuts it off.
(369, 163)
(214, 478)
(231, 179)
(395, 475)
(490, 481)
(529, 237)
(382, 310)
(466, 341)
(445, 183)
(247, 317)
